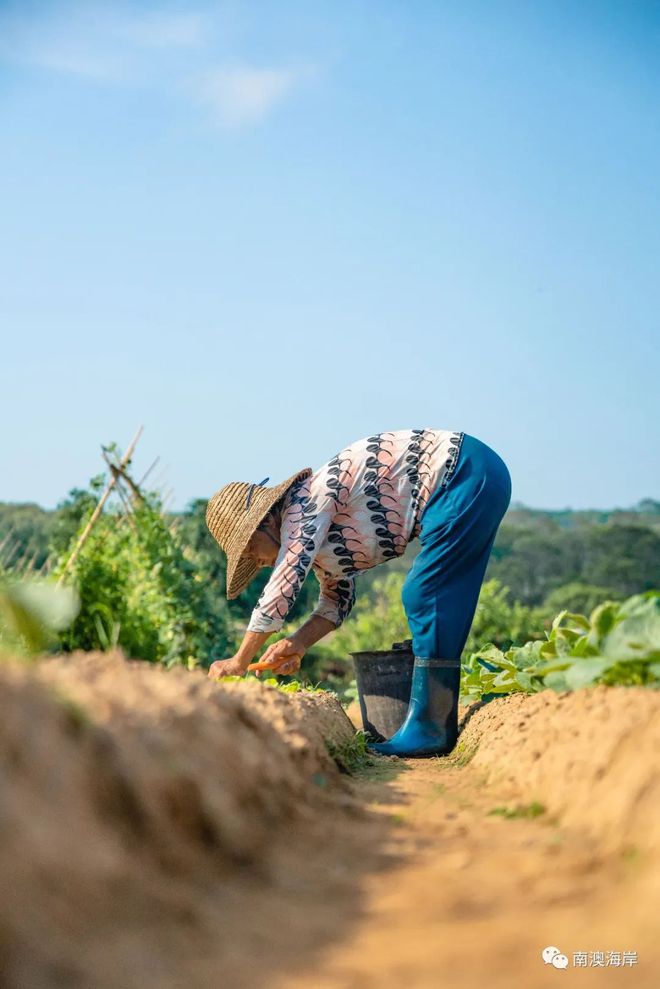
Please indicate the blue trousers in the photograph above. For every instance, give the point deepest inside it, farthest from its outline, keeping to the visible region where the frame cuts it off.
(457, 531)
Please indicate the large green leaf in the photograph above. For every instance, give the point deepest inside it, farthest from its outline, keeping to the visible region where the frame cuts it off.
(35, 611)
(527, 683)
(503, 682)
(529, 655)
(556, 681)
(602, 620)
(548, 649)
(567, 622)
(583, 647)
(585, 672)
(637, 633)
(574, 622)
(491, 654)
(552, 665)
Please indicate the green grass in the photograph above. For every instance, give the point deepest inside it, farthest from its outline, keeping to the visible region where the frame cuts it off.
(535, 809)
(462, 754)
(632, 858)
(350, 756)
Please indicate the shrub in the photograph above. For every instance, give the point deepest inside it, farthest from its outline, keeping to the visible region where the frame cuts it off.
(139, 589)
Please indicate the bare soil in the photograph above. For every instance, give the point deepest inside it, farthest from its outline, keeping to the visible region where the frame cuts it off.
(159, 830)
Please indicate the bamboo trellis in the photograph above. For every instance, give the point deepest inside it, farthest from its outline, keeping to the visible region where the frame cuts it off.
(118, 473)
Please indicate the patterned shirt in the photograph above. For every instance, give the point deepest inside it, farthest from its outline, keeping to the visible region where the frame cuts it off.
(361, 508)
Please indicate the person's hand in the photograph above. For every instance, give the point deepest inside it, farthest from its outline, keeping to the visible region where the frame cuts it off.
(283, 657)
(226, 668)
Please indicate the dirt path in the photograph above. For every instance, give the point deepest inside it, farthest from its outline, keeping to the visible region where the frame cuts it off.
(418, 882)
(474, 897)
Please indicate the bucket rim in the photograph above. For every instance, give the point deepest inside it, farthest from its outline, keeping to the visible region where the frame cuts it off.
(376, 653)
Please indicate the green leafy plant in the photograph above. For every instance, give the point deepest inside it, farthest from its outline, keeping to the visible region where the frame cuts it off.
(351, 755)
(32, 613)
(140, 589)
(618, 644)
(290, 687)
(293, 686)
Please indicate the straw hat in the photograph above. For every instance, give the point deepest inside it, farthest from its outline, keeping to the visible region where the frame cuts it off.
(233, 514)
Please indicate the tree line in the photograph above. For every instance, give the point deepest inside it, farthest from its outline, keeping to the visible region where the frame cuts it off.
(154, 583)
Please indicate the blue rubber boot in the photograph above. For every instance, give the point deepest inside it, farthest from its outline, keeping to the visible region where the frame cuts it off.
(431, 725)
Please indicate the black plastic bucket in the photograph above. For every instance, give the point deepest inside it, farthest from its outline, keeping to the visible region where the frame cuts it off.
(384, 681)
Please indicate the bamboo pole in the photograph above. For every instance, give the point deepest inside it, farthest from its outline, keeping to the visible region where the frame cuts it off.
(147, 473)
(128, 511)
(167, 496)
(7, 556)
(99, 507)
(119, 476)
(21, 561)
(138, 497)
(29, 567)
(45, 567)
(8, 536)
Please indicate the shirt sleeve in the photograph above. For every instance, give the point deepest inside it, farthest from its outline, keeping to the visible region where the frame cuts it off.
(305, 524)
(336, 598)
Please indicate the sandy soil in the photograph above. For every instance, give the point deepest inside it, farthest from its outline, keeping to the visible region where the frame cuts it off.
(476, 896)
(157, 830)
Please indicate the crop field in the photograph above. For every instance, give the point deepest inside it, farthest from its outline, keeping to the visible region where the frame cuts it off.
(160, 829)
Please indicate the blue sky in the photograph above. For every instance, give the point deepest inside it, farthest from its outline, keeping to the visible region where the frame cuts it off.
(265, 230)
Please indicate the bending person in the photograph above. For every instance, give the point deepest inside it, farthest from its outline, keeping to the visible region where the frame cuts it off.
(358, 510)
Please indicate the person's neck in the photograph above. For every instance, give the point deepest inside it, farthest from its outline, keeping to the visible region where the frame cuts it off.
(272, 537)
(273, 526)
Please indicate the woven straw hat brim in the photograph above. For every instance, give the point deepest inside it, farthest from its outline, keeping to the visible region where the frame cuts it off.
(232, 526)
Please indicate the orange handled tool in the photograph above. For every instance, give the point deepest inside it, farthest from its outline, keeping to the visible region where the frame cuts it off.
(270, 666)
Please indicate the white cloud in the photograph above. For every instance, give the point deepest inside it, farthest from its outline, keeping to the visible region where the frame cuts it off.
(73, 60)
(164, 30)
(95, 41)
(244, 94)
(157, 48)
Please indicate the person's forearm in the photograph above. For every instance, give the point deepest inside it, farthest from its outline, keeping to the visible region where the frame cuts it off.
(314, 629)
(250, 646)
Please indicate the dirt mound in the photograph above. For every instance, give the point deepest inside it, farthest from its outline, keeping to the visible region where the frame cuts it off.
(590, 756)
(158, 830)
(126, 788)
